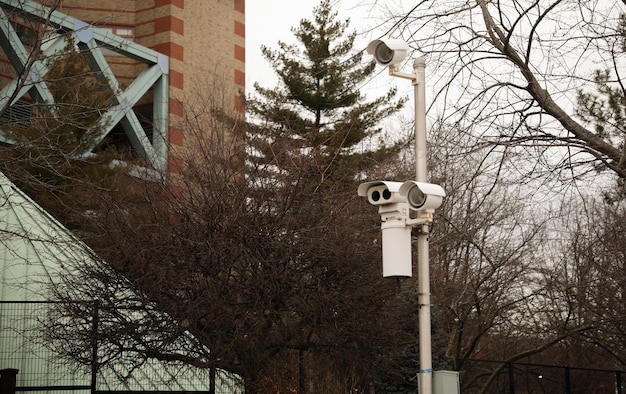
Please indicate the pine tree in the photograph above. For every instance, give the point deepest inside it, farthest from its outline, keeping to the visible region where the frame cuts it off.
(604, 110)
(317, 109)
(307, 151)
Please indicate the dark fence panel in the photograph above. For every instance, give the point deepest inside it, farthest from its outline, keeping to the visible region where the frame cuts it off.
(24, 347)
(526, 378)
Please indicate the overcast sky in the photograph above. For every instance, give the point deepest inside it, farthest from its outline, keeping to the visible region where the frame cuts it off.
(270, 21)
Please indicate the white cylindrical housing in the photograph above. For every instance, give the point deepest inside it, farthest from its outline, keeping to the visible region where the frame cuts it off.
(396, 249)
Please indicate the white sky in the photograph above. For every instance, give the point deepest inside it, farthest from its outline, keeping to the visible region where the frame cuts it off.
(270, 21)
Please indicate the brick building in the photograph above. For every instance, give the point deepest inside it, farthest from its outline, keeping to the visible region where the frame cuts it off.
(199, 38)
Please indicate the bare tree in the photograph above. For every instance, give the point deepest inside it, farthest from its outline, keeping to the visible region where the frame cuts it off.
(493, 264)
(274, 280)
(577, 316)
(485, 256)
(589, 280)
(246, 259)
(509, 73)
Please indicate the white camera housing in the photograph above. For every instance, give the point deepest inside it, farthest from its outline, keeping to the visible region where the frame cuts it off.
(396, 235)
(422, 196)
(385, 195)
(381, 192)
(388, 51)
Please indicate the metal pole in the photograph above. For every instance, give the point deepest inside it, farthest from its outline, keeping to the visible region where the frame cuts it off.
(421, 167)
(94, 345)
(423, 270)
(425, 375)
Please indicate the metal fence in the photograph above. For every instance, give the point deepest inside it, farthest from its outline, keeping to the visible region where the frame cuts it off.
(24, 349)
(526, 378)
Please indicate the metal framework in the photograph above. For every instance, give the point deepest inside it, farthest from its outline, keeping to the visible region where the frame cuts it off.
(91, 40)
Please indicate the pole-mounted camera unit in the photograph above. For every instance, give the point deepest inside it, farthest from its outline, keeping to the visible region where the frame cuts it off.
(385, 195)
(388, 51)
(396, 236)
(419, 197)
(395, 200)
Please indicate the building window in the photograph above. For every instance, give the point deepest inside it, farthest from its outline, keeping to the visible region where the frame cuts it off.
(122, 31)
(20, 114)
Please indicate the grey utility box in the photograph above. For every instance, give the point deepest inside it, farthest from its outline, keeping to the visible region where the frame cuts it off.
(446, 382)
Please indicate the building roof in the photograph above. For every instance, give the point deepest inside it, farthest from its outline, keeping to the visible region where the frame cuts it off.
(34, 252)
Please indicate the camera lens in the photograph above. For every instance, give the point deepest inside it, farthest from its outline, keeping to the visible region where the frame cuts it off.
(416, 197)
(383, 53)
(375, 195)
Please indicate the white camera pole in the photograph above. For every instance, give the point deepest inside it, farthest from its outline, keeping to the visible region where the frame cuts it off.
(390, 52)
(425, 375)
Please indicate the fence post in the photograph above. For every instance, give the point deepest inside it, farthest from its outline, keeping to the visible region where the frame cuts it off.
(511, 379)
(94, 345)
(7, 380)
(568, 382)
(618, 382)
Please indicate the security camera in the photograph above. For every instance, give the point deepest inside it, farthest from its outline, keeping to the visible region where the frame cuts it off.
(388, 51)
(422, 196)
(396, 235)
(381, 192)
(386, 195)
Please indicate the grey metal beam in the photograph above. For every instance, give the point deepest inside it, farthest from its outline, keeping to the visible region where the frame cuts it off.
(91, 40)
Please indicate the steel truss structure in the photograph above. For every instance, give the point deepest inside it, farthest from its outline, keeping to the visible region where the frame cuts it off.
(91, 41)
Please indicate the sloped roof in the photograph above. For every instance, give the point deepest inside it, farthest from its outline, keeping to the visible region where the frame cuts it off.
(33, 246)
(34, 249)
